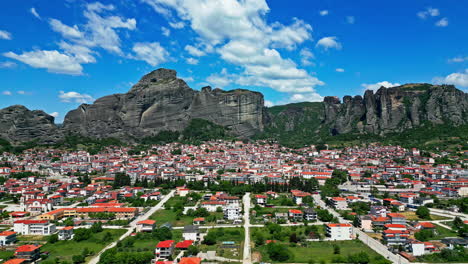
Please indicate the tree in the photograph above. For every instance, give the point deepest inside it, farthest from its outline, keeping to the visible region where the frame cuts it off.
(293, 238)
(424, 234)
(96, 227)
(192, 250)
(423, 212)
(457, 222)
(336, 249)
(52, 239)
(278, 252)
(77, 259)
(359, 258)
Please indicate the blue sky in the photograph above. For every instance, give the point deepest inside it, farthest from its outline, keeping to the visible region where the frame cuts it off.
(57, 54)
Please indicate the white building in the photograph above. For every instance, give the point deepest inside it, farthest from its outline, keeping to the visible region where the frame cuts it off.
(232, 212)
(191, 233)
(34, 227)
(340, 231)
(7, 238)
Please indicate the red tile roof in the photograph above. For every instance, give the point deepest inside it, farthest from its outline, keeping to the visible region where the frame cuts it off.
(165, 244)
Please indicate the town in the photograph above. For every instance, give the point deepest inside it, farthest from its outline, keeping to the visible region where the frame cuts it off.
(234, 202)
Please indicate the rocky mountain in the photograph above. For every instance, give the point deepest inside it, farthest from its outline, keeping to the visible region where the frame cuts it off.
(387, 111)
(19, 124)
(396, 109)
(162, 102)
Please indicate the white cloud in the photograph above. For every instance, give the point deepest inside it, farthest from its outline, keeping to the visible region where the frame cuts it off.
(99, 30)
(340, 70)
(52, 60)
(74, 97)
(64, 30)
(240, 33)
(350, 19)
(22, 92)
(269, 103)
(220, 80)
(54, 114)
(306, 56)
(442, 23)
(5, 35)
(323, 12)
(34, 13)
(458, 59)
(457, 78)
(6, 93)
(187, 79)
(192, 61)
(428, 12)
(165, 31)
(305, 97)
(177, 25)
(376, 86)
(329, 43)
(7, 64)
(194, 51)
(152, 53)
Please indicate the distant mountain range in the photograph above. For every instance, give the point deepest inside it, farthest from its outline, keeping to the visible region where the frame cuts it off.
(161, 102)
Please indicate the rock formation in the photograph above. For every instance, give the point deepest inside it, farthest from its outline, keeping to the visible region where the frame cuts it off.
(19, 124)
(160, 101)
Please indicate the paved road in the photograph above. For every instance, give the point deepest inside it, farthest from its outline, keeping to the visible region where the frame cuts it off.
(133, 224)
(449, 214)
(247, 249)
(369, 241)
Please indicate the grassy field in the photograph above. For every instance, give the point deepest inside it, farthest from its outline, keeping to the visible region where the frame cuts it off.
(64, 250)
(227, 234)
(323, 251)
(411, 216)
(5, 255)
(443, 232)
(169, 216)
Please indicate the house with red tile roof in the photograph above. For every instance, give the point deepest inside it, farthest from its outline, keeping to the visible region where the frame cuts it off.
(190, 260)
(28, 252)
(146, 225)
(164, 249)
(7, 238)
(339, 231)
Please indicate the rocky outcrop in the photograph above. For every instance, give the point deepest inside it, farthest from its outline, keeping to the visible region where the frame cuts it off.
(160, 101)
(397, 109)
(19, 124)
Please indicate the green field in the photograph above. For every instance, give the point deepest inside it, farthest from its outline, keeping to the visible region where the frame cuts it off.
(169, 216)
(226, 234)
(5, 255)
(323, 251)
(443, 232)
(64, 250)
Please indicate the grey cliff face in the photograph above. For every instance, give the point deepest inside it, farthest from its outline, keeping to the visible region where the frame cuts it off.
(19, 124)
(160, 101)
(397, 109)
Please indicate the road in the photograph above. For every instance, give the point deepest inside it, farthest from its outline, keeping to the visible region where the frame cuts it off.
(369, 241)
(133, 224)
(247, 248)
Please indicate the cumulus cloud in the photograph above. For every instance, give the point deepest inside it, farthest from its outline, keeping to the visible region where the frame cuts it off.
(34, 13)
(323, 12)
(457, 78)
(376, 86)
(152, 53)
(442, 23)
(7, 93)
(7, 65)
(52, 60)
(268, 103)
(339, 70)
(220, 80)
(5, 35)
(328, 43)
(240, 34)
(54, 114)
(192, 61)
(458, 59)
(64, 30)
(75, 97)
(194, 51)
(306, 57)
(79, 41)
(310, 97)
(165, 31)
(428, 12)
